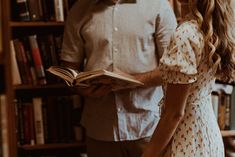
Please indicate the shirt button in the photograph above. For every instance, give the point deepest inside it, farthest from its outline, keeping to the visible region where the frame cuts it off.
(115, 50)
(119, 109)
(116, 29)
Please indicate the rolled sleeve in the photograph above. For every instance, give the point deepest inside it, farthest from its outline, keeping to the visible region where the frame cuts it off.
(165, 25)
(72, 46)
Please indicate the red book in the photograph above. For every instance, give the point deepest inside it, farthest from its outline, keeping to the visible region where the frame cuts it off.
(37, 59)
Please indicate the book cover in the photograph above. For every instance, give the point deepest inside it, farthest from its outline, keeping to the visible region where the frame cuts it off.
(116, 81)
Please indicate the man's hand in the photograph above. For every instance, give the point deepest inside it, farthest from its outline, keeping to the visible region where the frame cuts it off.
(94, 91)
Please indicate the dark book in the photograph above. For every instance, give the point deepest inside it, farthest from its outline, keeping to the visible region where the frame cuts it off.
(30, 59)
(48, 54)
(20, 121)
(35, 10)
(28, 117)
(45, 121)
(52, 120)
(48, 10)
(22, 10)
(22, 62)
(65, 127)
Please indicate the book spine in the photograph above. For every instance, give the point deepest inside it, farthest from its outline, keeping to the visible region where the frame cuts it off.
(34, 10)
(30, 60)
(59, 10)
(37, 59)
(22, 62)
(16, 79)
(38, 120)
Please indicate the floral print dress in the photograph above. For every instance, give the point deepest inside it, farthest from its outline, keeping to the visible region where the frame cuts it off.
(184, 62)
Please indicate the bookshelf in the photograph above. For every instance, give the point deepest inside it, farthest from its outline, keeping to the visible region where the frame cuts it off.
(12, 28)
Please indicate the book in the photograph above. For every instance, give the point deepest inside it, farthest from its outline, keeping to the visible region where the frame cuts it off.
(35, 10)
(38, 120)
(117, 81)
(16, 79)
(22, 62)
(22, 10)
(59, 10)
(36, 55)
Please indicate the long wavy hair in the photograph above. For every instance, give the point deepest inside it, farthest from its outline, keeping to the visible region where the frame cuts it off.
(216, 20)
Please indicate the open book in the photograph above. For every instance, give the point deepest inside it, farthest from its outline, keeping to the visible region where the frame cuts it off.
(117, 81)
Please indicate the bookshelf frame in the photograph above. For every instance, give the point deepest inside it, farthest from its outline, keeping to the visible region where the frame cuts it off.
(11, 133)
(36, 24)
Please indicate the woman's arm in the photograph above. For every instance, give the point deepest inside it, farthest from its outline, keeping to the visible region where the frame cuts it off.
(175, 103)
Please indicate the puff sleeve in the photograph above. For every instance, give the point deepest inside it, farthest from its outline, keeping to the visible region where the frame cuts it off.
(179, 64)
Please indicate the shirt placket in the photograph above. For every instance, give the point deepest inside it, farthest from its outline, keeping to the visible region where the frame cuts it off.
(116, 55)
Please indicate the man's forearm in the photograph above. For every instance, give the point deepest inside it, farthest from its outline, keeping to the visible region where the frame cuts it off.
(151, 78)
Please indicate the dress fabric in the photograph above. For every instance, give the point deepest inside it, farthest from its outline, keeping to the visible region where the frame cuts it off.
(184, 62)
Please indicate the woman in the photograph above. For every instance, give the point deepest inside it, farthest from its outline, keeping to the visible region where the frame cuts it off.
(201, 49)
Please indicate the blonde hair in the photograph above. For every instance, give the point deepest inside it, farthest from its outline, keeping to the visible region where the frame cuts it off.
(215, 19)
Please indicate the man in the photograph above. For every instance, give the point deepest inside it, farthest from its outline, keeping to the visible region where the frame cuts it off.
(128, 36)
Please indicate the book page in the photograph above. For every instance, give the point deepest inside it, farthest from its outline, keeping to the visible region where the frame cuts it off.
(107, 78)
(64, 73)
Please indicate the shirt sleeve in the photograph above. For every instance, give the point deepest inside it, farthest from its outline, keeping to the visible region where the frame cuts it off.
(165, 26)
(72, 46)
(180, 61)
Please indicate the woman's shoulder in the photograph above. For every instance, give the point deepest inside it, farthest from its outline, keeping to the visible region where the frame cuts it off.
(189, 30)
(188, 27)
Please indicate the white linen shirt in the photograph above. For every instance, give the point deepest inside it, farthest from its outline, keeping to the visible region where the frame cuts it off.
(127, 36)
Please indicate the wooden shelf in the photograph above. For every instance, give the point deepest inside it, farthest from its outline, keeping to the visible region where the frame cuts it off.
(227, 133)
(53, 146)
(43, 90)
(35, 24)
